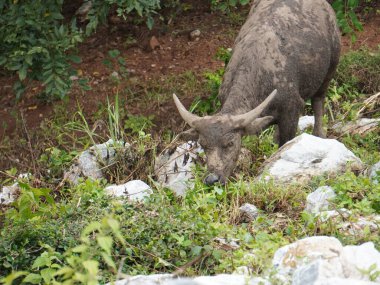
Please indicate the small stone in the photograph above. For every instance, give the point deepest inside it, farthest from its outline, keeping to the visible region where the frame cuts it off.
(249, 212)
(153, 65)
(305, 122)
(8, 194)
(225, 244)
(114, 74)
(194, 35)
(333, 214)
(154, 43)
(318, 200)
(73, 77)
(135, 190)
(375, 173)
(360, 126)
(356, 228)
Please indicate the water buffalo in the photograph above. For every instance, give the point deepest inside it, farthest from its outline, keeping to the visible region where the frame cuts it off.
(285, 53)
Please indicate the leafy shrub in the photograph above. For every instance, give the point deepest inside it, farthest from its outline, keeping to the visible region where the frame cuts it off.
(37, 219)
(347, 19)
(34, 43)
(361, 70)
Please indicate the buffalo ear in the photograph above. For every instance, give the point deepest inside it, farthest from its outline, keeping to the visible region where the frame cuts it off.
(189, 135)
(258, 125)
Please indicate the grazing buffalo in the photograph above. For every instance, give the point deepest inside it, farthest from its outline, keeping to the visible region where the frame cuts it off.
(286, 52)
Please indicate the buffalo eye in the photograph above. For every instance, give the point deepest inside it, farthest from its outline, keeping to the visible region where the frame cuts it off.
(228, 144)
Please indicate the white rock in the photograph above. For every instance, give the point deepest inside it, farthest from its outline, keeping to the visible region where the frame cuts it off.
(303, 252)
(357, 227)
(154, 279)
(305, 122)
(222, 279)
(167, 279)
(316, 270)
(318, 200)
(373, 173)
(342, 281)
(307, 156)
(173, 168)
(357, 260)
(249, 212)
(135, 190)
(90, 162)
(333, 214)
(9, 194)
(360, 126)
(114, 74)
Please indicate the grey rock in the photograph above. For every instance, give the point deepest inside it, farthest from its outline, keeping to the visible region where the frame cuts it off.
(135, 190)
(89, 164)
(173, 167)
(373, 173)
(301, 253)
(115, 75)
(333, 214)
(9, 194)
(248, 212)
(360, 126)
(356, 227)
(307, 156)
(318, 200)
(357, 261)
(154, 279)
(323, 260)
(194, 34)
(342, 281)
(305, 122)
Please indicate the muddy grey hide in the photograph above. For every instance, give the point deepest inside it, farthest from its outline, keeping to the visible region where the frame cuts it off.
(285, 53)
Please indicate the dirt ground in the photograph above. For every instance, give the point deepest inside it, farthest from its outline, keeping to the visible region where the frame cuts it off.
(149, 56)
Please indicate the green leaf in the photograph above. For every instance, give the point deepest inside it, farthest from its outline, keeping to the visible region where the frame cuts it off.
(91, 266)
(32, 278)
(80, 248)
(105, 243)
(42, 261)
(150, 22)
(13, 276)
(47, 274)
(3, 60)
(22, 72)
(74, 58)
(114, 53)
(108, 260)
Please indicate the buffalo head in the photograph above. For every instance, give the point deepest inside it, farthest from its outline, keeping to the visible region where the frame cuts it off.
(220, 136)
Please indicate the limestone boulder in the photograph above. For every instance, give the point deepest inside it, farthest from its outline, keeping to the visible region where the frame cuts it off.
(307, 156)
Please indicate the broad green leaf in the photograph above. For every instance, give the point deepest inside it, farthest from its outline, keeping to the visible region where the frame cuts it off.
(108, 260)
(32, 278)
(91, 266)
(47, 274)
(105, 243)
(114, 53)
(42, 261)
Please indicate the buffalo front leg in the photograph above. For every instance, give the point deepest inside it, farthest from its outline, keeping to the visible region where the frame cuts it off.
(288, 120)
